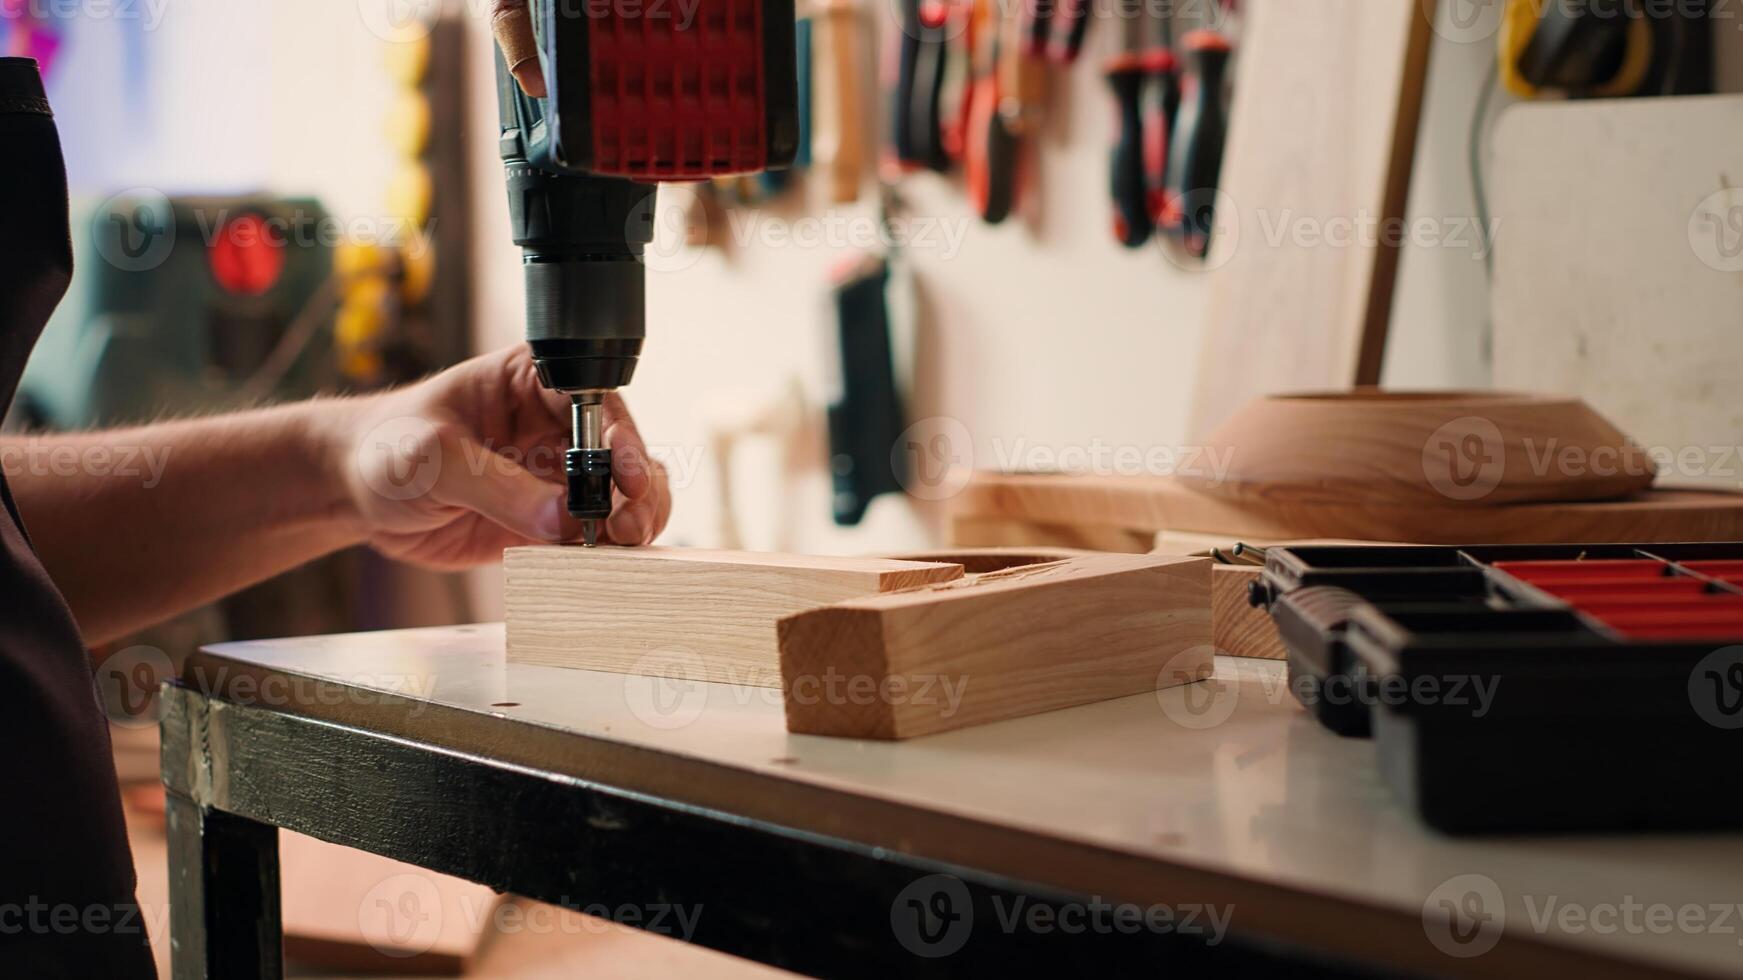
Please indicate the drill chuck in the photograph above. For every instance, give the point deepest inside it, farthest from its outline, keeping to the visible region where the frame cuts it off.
(589, 472)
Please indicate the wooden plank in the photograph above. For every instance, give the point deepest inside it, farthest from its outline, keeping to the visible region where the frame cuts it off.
(1616, 268)
(707, 615)
(996, 646)
(1237, 629)
(1162, 503)
(975, 531)
(345, 909)
(979, 561)
(1287, 312)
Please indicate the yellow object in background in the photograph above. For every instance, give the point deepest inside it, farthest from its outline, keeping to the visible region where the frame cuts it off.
(408, 125)
(410, 192)
(408, 59)
(1519, 21)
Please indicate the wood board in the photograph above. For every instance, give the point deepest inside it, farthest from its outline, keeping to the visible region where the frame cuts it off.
(1161, 503)
(1237, 627)
(1286, 313)
(709, 615)
(1618, 247)
(995, 646)
(346, 909)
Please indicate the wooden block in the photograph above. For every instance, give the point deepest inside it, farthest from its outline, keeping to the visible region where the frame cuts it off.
(979, 561)
(1162, 502)
(971, 531)
(1237, 629)
(711, 613)
(345, 909)
(997, 646)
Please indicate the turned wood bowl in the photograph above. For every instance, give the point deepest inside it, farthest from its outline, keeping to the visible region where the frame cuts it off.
(1376, 447)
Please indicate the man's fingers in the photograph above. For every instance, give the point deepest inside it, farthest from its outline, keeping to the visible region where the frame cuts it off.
(499, 489)
(631, 522)
(662, 501)
(512, 24)
(630, 465)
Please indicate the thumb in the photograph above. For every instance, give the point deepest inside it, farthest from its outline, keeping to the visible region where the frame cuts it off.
(512, 24)
(501, 490)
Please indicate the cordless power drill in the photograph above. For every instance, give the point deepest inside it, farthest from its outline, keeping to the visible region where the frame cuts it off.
(637, 91)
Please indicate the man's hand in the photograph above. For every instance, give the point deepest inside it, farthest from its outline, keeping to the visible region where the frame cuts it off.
(450, 471)
(512, 24)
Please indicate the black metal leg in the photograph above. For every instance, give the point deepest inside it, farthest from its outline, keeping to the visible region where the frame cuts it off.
(224, 895)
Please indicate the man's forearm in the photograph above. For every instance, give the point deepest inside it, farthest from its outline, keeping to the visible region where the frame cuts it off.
(136, 525)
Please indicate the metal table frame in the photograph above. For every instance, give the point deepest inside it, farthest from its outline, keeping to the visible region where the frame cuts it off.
(792, 899)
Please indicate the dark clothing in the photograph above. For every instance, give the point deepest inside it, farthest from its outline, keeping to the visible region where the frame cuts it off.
(67, 906)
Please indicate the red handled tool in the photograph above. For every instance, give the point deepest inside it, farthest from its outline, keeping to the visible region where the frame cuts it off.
(921, 68)
(1161, 106)
(1126, 75)
(991, 146)
(1196, 156)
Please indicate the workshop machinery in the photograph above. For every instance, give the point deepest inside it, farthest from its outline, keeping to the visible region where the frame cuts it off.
(635, 94)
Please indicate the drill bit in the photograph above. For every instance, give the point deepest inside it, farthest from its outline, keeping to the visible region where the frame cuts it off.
(588, 464)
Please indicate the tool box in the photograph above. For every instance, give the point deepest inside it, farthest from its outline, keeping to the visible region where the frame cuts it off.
(1527, 687)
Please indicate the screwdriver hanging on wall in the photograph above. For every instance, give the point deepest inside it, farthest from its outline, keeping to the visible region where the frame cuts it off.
(1126, 77)
(1196, 157)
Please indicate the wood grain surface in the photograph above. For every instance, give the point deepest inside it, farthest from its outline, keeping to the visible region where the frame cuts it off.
(346, 909)
(1163, 503)
(710, 614)
(1432, 449)
(1237, 628)
(1300, 294)
(995, 646)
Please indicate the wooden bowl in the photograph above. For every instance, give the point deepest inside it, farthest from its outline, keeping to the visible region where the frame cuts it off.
(1427, 448)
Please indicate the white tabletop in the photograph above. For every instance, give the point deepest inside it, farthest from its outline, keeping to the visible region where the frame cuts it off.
(1227, 784)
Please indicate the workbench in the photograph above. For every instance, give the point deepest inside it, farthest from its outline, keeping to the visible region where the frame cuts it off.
(1028, 846)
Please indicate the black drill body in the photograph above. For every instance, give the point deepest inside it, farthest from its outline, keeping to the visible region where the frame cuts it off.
(578, 162)
(581, 240)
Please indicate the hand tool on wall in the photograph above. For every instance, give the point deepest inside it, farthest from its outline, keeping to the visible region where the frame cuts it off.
(1126, 76)
(580, 164)
(1053, 29)
(776, 181)
(865, 413)
(1196, 155)
(1022, 77)
(922, 63)
(1067, 42)
(843, 146)
(990, 152)
(1160, 107)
